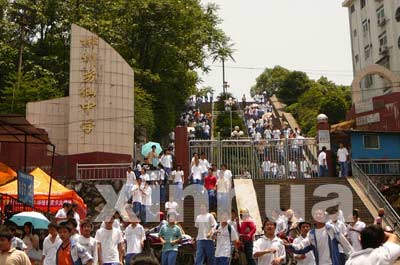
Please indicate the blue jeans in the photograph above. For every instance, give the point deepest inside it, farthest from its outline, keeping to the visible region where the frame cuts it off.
(137, 207)
(343, 169)
(129, 257)
(178, 190)
(163, 194)
(323, 171)
(222, 260)
(223, 202)
(111, 263)
(205, 252)
(211, 199)
(168, 257)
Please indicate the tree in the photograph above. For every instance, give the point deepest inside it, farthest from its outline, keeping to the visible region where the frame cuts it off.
(293, 86)
(222, 52)
(144, 114)
(335, 107)
(270, 81)
(164, 41)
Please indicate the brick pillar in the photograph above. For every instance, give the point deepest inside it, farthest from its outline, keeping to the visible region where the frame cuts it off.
(324, 139)
(182, 149)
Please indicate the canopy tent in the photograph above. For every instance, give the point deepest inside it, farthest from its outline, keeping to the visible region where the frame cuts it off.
(59, 193)
(6, 174)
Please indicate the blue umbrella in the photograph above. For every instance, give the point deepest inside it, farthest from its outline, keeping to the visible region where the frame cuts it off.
(38, 220)
(146, 149)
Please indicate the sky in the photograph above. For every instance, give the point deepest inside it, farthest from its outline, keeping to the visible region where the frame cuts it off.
(305, 35)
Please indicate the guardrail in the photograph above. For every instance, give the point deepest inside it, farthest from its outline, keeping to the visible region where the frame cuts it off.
(378, 199)
(101, 171)
(380, 167)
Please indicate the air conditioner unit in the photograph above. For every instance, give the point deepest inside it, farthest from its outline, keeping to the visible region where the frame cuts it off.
(381, 21)
(383, 50)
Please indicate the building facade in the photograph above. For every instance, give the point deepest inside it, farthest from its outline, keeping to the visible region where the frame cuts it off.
(375, 39)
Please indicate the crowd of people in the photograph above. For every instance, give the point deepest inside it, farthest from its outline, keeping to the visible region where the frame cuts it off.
(198, 123)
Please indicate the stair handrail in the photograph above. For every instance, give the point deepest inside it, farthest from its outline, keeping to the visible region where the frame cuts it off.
(391, 217)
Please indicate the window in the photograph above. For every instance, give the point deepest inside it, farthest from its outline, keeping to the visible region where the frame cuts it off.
(362, 4)
(355, 33)
(367, 51)
(365, 25)
(371, 141)
(356, 58)
(397, 15)
(368, 81)
(380, 12)
(352, 9)
(398, 42)
(383, 40)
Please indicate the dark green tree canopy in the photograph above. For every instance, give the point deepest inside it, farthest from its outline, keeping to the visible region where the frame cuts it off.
(165, 42)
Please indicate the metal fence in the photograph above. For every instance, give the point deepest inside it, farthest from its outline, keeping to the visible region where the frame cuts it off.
(380, 167)
(101, 171)
(378, 199)
(286, 158)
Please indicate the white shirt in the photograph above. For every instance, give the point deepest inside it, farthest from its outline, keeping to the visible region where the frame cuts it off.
(266, 166)
(109, 241)
(178, 176)
(322, 239)
(130, 178)
(292, 166)
(355, 236)
(267, 134)
(61, 214)
(146, 195)
(145, 177)
(50, 250)
(342, 154)
(207, 129)
(171, 206)
(281, 224)
(257, 137)
(134, 237)
(309, 259)
(227, 174)
(276, 134)
(321, 158)
(263, 243)
(384, 255)
(196, 171)
(90, 244)
(274, 167)
(224, 243)
(136, 194)
(303, 166)
(166, 161)
(204, 222)
(205, 165)
(341, 227)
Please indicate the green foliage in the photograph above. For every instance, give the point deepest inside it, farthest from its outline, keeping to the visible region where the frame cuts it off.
(270, 81)
(223, 123)
(219, 105)
(293, 86)
(305, 98)
(165, 42)
(144, 114)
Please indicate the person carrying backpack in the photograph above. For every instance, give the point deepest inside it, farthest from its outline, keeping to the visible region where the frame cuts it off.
(225, 236)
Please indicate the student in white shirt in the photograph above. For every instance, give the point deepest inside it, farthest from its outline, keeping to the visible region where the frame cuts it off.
(343, 156)
(50, 245)
(61, 214)
(322, 163)
(88, 242)
(110, 244)
(145, 209)
(269, 249)
(308, 258)
(197, 171)
(225, 236)
(205, 223)
(354, 230)
(166, 161)
(130, 181)
(177, 177)
(205, 165)
(134, 236)
(137, 197)
(266, 168)
(340, 227)
(378, 248)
